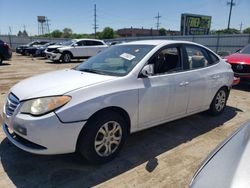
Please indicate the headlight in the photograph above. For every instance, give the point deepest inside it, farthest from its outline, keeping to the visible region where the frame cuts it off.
(45, 105)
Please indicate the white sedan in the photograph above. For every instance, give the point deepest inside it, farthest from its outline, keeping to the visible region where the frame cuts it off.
(126, 88)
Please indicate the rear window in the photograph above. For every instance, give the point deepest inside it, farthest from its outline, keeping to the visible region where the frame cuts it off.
(214, 58)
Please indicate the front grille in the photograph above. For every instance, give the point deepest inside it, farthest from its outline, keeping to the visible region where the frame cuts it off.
(11, 104)
(241, 68)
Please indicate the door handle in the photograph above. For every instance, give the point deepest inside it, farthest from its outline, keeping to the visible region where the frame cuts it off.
(183, 84)
(215, 77)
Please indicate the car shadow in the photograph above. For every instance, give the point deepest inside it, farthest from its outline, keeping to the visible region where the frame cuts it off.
(244, 86)
(70, 170)
(4, 64)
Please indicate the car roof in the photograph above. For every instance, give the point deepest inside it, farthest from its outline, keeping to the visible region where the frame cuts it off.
(88, 39)
(158, 42)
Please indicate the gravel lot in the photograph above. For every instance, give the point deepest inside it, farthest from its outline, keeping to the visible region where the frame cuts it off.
(164, 156)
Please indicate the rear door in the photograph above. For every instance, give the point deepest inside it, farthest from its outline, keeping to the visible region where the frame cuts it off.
(197, 66)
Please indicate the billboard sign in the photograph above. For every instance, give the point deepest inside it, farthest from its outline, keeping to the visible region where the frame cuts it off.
(194, 24)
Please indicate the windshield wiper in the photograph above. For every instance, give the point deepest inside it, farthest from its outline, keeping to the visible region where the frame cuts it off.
(93, 71)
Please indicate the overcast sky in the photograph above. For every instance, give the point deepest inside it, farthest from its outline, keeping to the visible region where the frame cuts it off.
(78, 14)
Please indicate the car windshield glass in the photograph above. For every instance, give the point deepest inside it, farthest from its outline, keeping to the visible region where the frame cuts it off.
(68, 43)
(246, 50)
(116, 60)
(32, 43)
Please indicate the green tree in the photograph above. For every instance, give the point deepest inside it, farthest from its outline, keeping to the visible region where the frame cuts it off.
(20, 34)
(107, 33)
(162, 32)
(67, 32)
(56, 33)
(246, 31)
(25, 34)
(228, 31)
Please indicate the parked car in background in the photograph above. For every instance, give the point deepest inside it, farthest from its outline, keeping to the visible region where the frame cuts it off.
(240, 62)
(39, 51)
(5, 51)
(223, 54)
(228, 164)
(115, 43)
(23, 49)
(75, 49)
(121, 90)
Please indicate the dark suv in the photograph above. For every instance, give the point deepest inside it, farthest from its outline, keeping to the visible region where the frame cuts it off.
(5, 51)
(24, 49)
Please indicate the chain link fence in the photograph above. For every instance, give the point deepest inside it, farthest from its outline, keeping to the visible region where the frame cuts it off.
(228, 43)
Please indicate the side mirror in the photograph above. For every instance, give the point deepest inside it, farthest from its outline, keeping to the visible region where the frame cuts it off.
(148, 70)
(74, 45)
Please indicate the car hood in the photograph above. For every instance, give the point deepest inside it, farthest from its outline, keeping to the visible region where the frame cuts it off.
(229, 165)
(239, 58)
(55, 46)
(56, 83)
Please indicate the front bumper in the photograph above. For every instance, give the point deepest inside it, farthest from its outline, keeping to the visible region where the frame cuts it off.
(53, 56)
(44, 135)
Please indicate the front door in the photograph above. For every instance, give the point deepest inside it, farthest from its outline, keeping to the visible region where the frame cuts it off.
(164, 94)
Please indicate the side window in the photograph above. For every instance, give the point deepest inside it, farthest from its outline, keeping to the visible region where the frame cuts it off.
(214, 58)
(166, 61)
(196, 58)
(80, 43)
(97, 43)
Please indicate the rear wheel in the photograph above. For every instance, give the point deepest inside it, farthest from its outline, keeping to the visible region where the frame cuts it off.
(219, 102)
(1, 60)
(66, 57)
(103, 137)
(26, 53)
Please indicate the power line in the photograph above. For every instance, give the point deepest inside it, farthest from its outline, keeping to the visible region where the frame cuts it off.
(95, 24)
(231, 3)
(158, 21)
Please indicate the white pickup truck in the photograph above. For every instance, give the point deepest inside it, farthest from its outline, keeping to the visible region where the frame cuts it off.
(75, 49)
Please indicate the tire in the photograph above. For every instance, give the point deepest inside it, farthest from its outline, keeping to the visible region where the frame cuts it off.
(219, 102)
(1, 60)
(66, 57)
(26, 53)
(102, 137)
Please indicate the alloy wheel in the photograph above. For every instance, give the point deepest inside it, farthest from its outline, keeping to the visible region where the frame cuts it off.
(108, 138)
(220, 100)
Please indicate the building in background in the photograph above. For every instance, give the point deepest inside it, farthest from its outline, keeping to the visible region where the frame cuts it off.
(141, 32)
(137, 32)
(194, 24)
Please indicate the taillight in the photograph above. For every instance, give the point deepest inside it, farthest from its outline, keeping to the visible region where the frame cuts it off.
(236, 81)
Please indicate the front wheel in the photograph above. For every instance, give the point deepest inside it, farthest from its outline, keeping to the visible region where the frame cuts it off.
(1, 60)
(66, 57)
(103, 137)
(219, 102)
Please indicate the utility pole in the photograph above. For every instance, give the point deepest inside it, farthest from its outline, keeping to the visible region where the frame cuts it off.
(95, 24)
(241, 24)
(158, 21)
(231, 3)
(24, 27)
(10, 33)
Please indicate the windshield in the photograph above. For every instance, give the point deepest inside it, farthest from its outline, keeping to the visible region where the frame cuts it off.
(68, 43)
(116, 60)
(246, 50)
